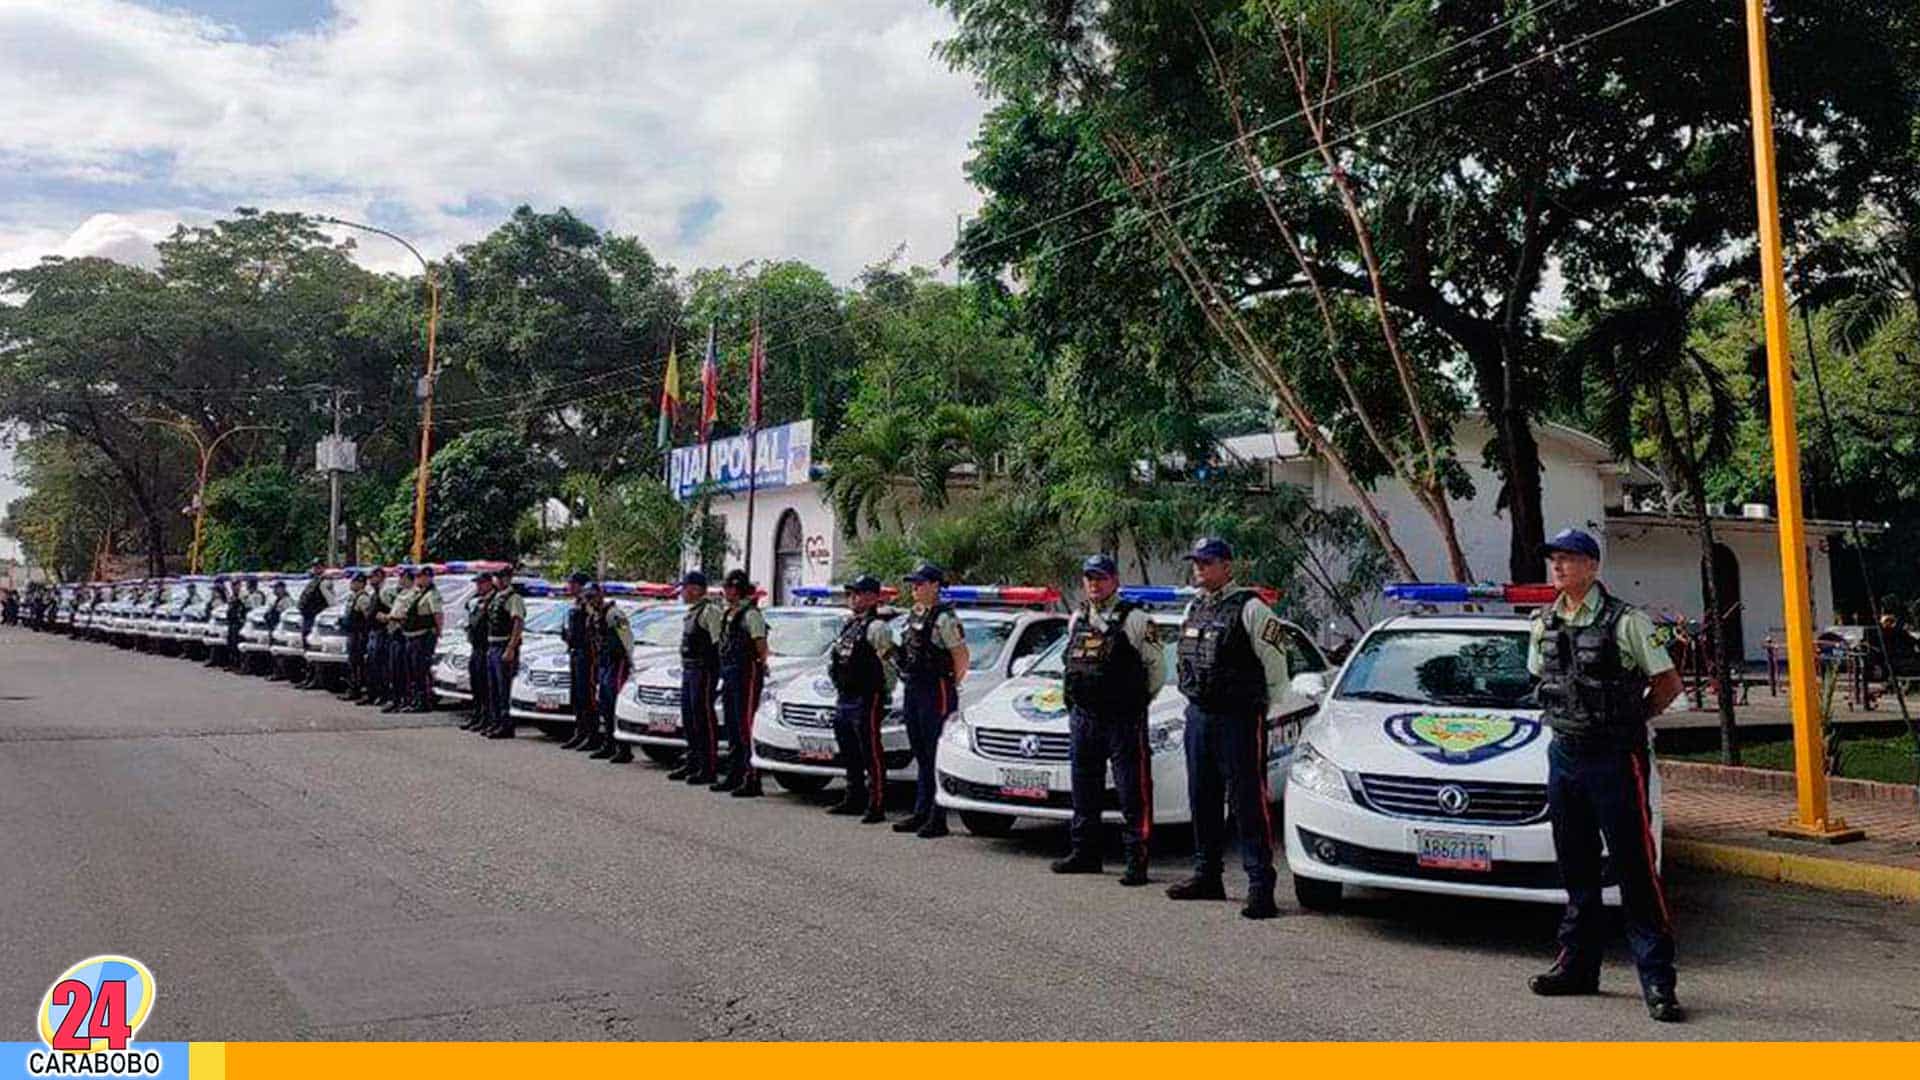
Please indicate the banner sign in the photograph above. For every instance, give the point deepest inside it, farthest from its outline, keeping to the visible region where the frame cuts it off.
(783, 457)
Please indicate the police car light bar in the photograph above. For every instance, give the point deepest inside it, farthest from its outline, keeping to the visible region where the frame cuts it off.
(1414, 592)
(1000, 594)
(653, 590)
(477, 566)
(1181, 594)
(815, 593)
(539, 588)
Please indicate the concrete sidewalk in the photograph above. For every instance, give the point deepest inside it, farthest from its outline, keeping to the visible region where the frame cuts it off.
(1717, 818)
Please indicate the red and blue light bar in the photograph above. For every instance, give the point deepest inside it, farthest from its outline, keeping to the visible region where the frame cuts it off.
(1013, 595)
(1183, 594)
(1419, 592)
(651, 590)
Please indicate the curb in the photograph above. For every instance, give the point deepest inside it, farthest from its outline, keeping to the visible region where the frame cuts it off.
(1697, 774)
(1833, 875)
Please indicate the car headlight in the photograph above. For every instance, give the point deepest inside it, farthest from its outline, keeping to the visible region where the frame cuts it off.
(770, 699)
(1313, 771)
(959, 730)
(1168, 736)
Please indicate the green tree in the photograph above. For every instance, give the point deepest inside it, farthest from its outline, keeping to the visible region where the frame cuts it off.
(629, 529)
(265, 517)
(477, 488)
(70, 512)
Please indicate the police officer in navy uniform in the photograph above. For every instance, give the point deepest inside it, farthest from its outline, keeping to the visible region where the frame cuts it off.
(313, 601)
(699, 676)
(277, 606)
(612, 663)
(1602, 681)
(579, 641)
(933, 660)
(860, 666)
(481, 714)
(506, 623)
(374, 652)
(1232, 667)
(238, 605)
(1114, 668)
(743, 675)
(354, 621)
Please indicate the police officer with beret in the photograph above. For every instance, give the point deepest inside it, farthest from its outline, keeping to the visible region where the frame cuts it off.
(1233, 667)
(1602, 681)
(861, 668)
(933, 661)
(1113, 670)
(612, 661)
(579, 641)
(379, 604)
(475, 610)
(743, 675)
(699, 675)
(506, 622)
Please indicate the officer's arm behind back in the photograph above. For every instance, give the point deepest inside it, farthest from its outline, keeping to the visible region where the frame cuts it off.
(1269, 644)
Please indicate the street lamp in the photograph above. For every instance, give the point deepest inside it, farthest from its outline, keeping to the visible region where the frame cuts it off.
(426, 406)
(206, 450)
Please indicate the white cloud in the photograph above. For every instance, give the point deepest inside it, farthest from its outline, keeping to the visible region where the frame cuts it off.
(825, 131)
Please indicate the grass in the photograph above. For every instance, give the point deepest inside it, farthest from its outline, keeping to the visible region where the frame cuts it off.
(1889, 760)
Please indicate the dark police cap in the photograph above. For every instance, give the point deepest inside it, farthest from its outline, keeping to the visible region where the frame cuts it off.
(927, 571)
(737, 579)
(579, 577)
(1573, 542)
(1209, 548)
(693, 577)
(864, 583)
(1102, 565)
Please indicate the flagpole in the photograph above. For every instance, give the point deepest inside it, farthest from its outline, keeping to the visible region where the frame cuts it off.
(708, 386)
(753, 443)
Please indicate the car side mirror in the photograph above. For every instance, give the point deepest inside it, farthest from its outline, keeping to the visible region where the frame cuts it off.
(1310, 684)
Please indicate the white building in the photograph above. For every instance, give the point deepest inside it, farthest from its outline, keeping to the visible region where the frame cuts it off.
(1650, 557)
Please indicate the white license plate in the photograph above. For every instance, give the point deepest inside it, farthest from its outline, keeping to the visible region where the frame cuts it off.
(663, 722)
(1455, 851)
(1026, 783)
(813, 748)
(549, 700)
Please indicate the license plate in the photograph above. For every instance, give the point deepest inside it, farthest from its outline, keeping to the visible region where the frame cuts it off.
(1026, 783)
(1455, 851)
(817, 749)
(549, 700)
(663, 722)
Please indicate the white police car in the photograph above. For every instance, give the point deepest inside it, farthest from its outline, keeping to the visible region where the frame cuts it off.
(540, 634)
(793, 739)
(1427, 769)
(542, 689)
(256, 634)
(647, 713)
(1007, 756)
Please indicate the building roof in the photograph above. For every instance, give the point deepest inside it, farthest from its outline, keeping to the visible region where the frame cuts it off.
(1724, 523)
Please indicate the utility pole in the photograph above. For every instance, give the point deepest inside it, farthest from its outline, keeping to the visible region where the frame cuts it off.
(333, 481)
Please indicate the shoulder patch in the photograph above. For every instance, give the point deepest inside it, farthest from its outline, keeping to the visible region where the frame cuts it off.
(1271, 632)
(1662, 635)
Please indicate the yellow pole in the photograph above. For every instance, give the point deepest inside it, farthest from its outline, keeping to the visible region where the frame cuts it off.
(426, 427)
(1812, 819)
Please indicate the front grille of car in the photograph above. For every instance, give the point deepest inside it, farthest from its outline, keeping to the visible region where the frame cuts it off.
(807, 716)
(549, 678)
(1009, 745)
(1488, 802)
(659, 697)
(891, 759)
(1058, 800)
(1405, 864)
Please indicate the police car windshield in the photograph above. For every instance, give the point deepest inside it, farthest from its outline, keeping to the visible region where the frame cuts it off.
(802, 633)
(546, 616)
(658, 627)
(985, 639)
(1483, 668)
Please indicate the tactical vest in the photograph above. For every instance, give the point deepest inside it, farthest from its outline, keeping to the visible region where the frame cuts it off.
(500, 615)
(380, 607)
(575, 632)
(417, 619)
(1586, 691)
(605, 625)
(479, 614)
(698, 650)
(853, 665)
(353, 621)
(236, 612)
(1219, 670)
(1106, 674)
(921, 657)
(736, 645)
(313, 600)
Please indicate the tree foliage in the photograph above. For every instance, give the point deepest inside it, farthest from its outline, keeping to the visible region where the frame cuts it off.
(264, 517)
(478, 486)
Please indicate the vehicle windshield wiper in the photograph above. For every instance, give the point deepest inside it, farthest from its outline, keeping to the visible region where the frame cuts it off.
(1386, 696)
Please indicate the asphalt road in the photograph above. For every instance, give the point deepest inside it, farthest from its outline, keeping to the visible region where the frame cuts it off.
(292, 867)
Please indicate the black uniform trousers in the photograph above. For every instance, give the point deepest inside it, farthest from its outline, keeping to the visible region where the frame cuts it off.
(1596, 791)
(580, 691)
(499, 684)
(929, 701)
(420, 668)
(1120, 741)
(608, 679)
(478, 683)
(740, 689)
(357, 661)
(1227, 760)
(399, 675)
(697, 722)
(378, 664)
(856, 728)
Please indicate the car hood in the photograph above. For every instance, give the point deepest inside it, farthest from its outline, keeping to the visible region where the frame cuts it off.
(1036, 703)
(1435, 741)
(779, 669)
(550, 654)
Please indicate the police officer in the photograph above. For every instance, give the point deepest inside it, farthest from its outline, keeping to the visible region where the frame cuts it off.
(613, 659)
(426, 617)
(238, 604)
(313, 601)
(480, 715)
(1602, 680)
(1113, 670)
(506, 621)
(214, 608)
(277, 605)
(861, 667)
(1233, 667)
(9, 607)
(577, 635)
(399, 611)
(743, 674)
(699, 671)
(933, 660)
(354, 622)
(380, 593)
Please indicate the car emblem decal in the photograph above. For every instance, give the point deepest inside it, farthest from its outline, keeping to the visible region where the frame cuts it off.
(1453, 799)
(1046, 703)
(1460, 739)
(1030, 746)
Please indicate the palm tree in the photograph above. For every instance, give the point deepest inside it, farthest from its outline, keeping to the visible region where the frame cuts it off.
(1653, 383)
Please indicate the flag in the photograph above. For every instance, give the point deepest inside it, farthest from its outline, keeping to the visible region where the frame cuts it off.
(758, 363)
(669, 399)
(709, 388)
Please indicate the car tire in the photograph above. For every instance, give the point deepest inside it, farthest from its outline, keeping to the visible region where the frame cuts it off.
(1316, 895)
(801, 783)
(664, 755)
(980, 823)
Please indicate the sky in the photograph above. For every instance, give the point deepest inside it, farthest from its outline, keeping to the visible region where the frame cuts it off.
(717, 131)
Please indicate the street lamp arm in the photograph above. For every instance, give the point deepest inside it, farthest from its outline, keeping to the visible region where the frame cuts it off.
(425, 267)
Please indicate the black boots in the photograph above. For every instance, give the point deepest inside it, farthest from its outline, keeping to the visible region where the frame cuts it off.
(1260, 905)
(622, 753)
(1563, 981)
(1136, 873)
(853, 802)
(1197, 888)
(1078, 862)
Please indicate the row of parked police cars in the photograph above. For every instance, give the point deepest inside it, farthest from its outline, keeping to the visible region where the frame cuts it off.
(1418, 763)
